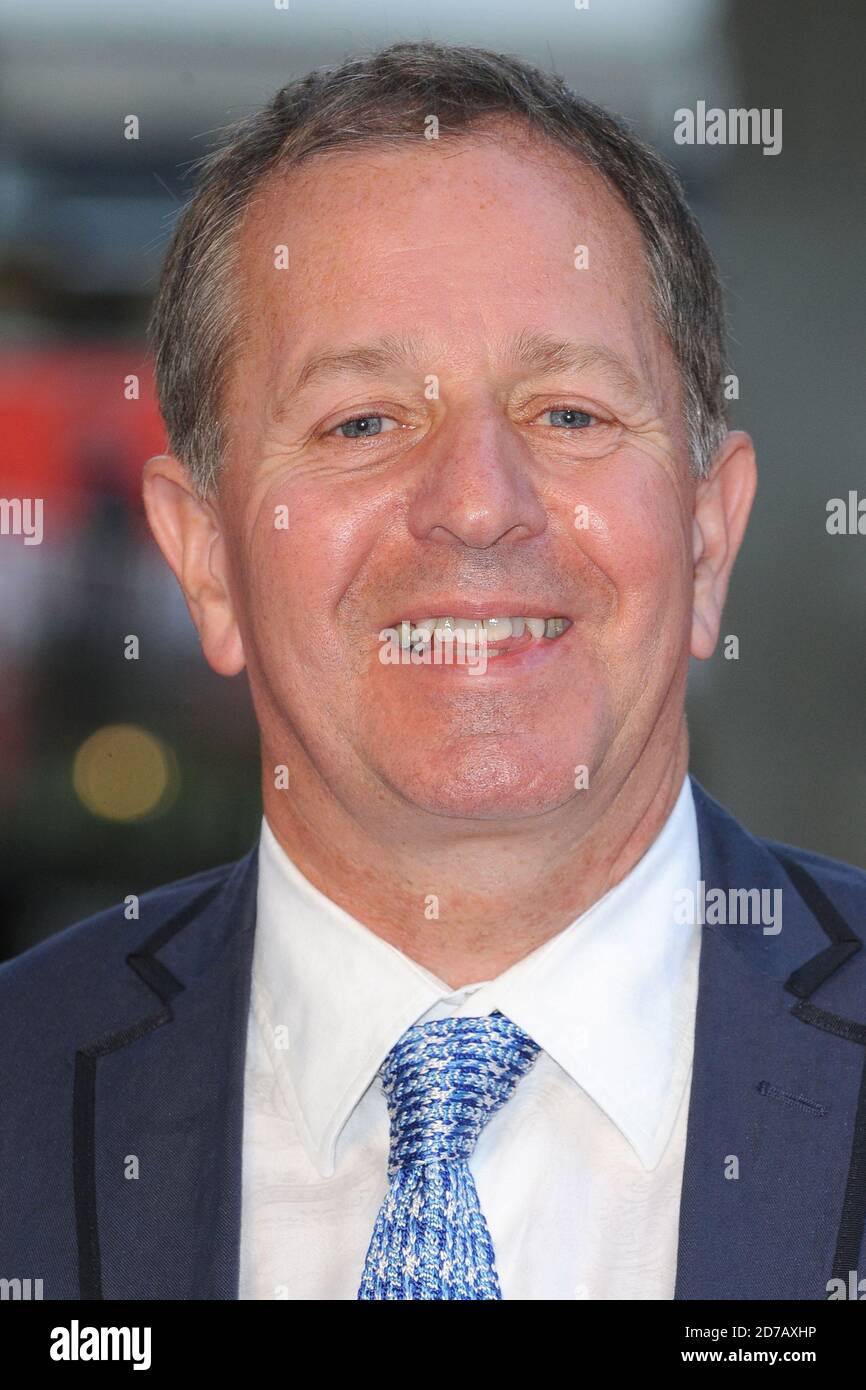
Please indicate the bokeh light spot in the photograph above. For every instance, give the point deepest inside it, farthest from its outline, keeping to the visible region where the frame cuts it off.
(124, 773)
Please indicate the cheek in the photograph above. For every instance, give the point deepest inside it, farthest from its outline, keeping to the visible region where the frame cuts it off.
(637, 538)
(298, 549)
(306, 546)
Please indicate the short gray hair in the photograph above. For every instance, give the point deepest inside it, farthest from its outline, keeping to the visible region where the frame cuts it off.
(196, 328)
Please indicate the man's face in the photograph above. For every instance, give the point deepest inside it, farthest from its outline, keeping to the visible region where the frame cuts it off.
(488, 480)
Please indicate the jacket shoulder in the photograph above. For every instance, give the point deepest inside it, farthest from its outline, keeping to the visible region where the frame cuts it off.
(844, 884)
(86, 956)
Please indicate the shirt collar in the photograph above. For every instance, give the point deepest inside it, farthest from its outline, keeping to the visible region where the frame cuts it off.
(610, 998)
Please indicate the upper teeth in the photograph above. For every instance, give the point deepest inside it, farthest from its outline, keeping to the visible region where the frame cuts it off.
(496, 629)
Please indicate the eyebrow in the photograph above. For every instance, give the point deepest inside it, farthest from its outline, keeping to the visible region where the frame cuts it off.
(531, 350)
(542, 352)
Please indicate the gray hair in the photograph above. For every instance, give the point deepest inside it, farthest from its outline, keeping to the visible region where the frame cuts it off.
(197, 329)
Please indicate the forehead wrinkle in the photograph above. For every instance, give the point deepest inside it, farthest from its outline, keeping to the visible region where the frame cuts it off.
(367, 359)
(393, 350)
(530, 349)
(543, 352)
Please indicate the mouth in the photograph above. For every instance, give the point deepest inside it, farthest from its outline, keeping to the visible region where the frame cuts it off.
(499, 636)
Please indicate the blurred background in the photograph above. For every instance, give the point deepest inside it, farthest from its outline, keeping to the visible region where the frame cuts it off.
(123, 768)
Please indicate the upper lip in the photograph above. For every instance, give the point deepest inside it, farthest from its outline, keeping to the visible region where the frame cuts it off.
(492, 606)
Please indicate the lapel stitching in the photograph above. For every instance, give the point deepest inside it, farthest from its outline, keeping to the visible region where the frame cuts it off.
(844, 943)
(802, 983)
(165, 986)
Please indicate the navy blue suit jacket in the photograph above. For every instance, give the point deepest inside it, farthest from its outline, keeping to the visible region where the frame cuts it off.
(124, 1040)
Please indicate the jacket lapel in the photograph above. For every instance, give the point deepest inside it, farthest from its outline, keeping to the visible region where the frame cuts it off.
(158, 1098)
(158, 1108)
(770, 1207)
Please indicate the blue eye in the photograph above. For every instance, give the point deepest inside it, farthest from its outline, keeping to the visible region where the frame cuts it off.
(362, 426)
(566, 418)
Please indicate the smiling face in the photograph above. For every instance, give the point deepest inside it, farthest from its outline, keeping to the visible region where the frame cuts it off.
(444, 409)
(445, 416)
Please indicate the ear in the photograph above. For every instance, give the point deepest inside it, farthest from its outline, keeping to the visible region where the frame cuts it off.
(723, 502)
(188, 532)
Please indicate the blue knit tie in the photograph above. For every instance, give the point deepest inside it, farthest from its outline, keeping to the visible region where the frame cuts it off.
(443, 1080)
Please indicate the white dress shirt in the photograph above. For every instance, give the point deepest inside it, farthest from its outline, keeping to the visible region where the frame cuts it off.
(578, 1174)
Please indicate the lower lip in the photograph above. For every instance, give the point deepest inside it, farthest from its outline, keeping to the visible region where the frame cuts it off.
(517, 657)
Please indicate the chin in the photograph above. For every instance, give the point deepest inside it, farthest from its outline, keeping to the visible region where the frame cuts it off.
(479, 783)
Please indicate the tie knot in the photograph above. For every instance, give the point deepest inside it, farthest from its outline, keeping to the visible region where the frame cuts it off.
(444, 1079)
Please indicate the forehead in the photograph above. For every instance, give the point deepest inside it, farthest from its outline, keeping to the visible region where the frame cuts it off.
(468, 240)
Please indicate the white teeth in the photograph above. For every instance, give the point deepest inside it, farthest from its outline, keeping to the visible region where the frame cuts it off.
(422, 633)
(495, 629)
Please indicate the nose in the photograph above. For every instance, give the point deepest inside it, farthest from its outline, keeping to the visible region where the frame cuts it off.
(475, 484)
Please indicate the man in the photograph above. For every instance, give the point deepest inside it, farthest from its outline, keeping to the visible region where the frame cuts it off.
(503, 1004)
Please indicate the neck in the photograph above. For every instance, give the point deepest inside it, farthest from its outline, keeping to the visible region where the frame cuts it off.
(467, 906)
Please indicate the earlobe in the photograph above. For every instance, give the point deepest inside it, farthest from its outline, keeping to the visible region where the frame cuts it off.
(723, 502)
(187, 530)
